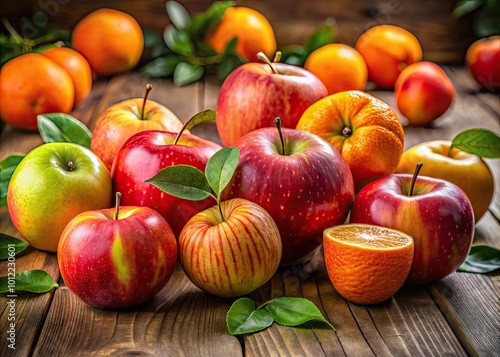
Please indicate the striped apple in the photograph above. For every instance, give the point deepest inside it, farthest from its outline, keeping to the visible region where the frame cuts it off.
(115, 260)
(231, 257)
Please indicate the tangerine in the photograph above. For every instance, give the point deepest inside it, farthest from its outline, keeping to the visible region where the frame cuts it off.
(387, 50)
(33, 84)
(110, 40)
(77, 67)
(339, 67)
(367, 264)
(252, 29)
(365, 130)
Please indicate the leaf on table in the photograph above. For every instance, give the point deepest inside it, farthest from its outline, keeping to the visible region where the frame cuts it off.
(34, 281)
(60, 127)
(220, 168)
(481, 142)
(187, 73)
(289, 311)
(11, 246)
(243, 318)
(182, 181)
(7, 167)
(481, 259)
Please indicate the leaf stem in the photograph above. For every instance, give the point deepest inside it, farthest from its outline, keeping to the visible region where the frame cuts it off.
(277, 123)
(117, 205)
(415, 174)
(264, 58)
(450, 150)
(180, 132)
(149, 87)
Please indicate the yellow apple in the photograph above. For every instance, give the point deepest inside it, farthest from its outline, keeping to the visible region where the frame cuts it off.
(467, 171)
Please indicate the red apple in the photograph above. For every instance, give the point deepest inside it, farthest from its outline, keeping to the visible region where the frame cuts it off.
(234, 255)
(305, 190)
(436, 213)
(120, 121)
(118, 259)
(253, 95)
(483, 60)
(143, 155)
(423, 92)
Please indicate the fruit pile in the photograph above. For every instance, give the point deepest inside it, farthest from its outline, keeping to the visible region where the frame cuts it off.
(305, 150)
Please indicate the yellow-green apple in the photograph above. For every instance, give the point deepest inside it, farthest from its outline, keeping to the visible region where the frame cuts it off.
(255, 93)
(52, 184)
(147, 152)
(423, 92)
(306, 188)
(483, 61)
(436, 213)
(467, 171)
(232, 256)
(114, 258)
(123, 119)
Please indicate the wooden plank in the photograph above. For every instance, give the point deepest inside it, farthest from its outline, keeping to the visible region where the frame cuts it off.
(407, 324)
(181, 320)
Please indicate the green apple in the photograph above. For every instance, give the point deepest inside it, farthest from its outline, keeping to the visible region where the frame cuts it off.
(467, 171)
(52, 184)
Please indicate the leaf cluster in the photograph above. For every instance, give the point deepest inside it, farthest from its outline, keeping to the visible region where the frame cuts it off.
(297, 54)
(244, 318)
(13, 44)
(182, 52)
(485, 15)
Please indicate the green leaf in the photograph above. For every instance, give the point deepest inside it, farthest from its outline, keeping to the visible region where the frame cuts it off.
(187, 73)
(178, 14)
(178, 41)
(7, 167)
(481, 142)
(11, 246)
(290, 311)
(60, 127)
(485, 21)
(463, 7)
(220, 168)
(182, 181)
(205, 116)
(34, 281)
(243, 318)
(322, 36)
(202, 22)
(154, 40)
(481, 259)
(161, 66)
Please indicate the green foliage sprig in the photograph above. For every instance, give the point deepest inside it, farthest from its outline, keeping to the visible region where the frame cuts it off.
(182, 53)
(486, 15)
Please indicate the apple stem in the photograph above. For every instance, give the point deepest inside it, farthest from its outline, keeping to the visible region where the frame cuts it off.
(277, 122)
(450, 150)
(415, 174)
(277, 56)
(146, 94)
(220, 209)
(264, 58)
(71, 166)
(117, 205)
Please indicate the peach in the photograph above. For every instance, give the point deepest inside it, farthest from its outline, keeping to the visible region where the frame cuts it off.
(423, 92)
(483, 60)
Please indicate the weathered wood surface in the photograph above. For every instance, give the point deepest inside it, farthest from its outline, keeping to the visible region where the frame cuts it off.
(459, 315)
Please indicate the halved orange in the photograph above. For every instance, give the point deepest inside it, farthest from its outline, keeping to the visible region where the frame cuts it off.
(367, 264)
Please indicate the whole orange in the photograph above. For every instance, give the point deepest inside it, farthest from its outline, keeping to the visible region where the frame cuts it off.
(365, 130)
(77, 67)
(110, 40)
(367, 264)
(339, 67)
(387, 50)
(252, 29)
(33, 84)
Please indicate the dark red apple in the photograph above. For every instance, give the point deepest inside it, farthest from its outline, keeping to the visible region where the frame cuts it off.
(436, 213)
(147, 152)
(255, 93)
(306, 189)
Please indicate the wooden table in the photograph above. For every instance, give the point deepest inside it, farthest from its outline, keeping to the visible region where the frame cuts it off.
(456, 316)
